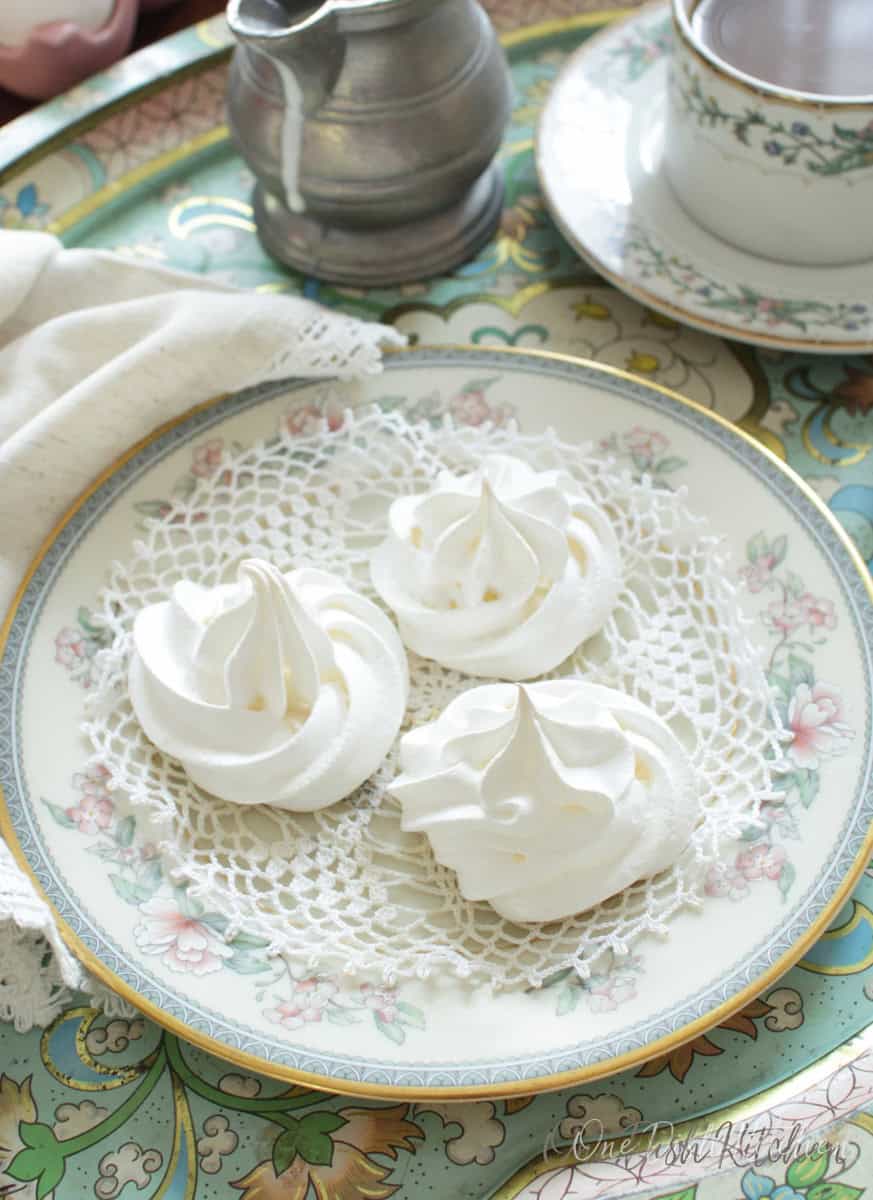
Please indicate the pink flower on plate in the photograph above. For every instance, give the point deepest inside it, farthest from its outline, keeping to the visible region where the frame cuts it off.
(91, 814)
(818, 614)
(472, 408)
(184, 944)
(70, 647)
(312, 418)
(726, 882)
(647, 443)
(784, 617)
(815, 718)
(94, 810)
(306, 1004)
(761, 862)
(776, 815)
(607, 992)
(207, 457)
(383, 1001)
(93, 780)
(757, 574)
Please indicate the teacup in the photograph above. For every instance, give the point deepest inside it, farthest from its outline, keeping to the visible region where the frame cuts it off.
(785, 174)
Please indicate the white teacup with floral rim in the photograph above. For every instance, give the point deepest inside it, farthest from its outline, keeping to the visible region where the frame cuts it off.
(781, 172)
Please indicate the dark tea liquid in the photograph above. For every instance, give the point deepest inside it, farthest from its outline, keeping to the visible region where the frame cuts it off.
(819, 46)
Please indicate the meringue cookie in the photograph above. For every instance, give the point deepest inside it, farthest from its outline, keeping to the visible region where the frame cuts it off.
(502, 572)
(547, 798)
(277, 689)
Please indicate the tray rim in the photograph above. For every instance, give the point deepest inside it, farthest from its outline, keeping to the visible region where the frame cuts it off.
(687, 1130)
(507, 1088)
(58, 131)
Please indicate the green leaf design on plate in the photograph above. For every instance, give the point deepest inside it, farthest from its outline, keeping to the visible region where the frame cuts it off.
(391, 1029)
(340, 1016)
(778, 549)
(247, 941)
(666, 465)
(105, 852)
(807, 786)
(83, 616)
(756, 546)
(60, 815)
(787, 876)
(244, 962)
(800, 671)
(478, 385)
(568, 999)
(411, 1015)
(125, 830)
(794, 584)
(152, 874)
(130, 892)
(151, 508)
(752, 833)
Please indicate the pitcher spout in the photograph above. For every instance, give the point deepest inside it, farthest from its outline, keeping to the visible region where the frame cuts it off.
(303, 38)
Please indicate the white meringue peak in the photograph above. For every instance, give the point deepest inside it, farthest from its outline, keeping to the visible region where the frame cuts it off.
(547, 798)
(282, 689)
(501, 573)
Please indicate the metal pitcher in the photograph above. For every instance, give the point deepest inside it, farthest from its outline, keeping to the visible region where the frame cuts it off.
(371, 127)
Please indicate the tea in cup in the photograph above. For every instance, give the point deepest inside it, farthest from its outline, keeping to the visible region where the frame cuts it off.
(770, 125)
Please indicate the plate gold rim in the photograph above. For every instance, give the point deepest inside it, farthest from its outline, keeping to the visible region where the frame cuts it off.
(536, 1085)
(641, 294)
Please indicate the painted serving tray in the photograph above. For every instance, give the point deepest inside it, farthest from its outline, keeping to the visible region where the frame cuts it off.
(138, 160)
(164, 953)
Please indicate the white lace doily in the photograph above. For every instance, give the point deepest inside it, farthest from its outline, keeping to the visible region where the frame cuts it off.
(344, 887)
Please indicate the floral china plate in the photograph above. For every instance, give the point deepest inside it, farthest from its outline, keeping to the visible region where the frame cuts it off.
(802, 584)
(599, 149)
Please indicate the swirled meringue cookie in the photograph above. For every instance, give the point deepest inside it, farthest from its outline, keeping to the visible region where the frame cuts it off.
(547, 798)
(277, 689)
(502, 572)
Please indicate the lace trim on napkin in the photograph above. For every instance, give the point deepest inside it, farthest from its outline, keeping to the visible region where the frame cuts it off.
(36, 968)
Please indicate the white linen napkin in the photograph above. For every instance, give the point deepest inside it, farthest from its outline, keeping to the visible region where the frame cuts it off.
(95, 352)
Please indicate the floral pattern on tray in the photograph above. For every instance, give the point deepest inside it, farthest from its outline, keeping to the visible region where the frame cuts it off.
(206, 1145)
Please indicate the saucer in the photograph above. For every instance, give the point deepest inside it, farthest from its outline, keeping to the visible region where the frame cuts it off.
(599, 152)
